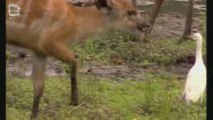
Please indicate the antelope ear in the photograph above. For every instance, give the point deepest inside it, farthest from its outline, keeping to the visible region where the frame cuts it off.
(104, 5)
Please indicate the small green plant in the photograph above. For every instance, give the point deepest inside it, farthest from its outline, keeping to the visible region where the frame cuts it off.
(7, 55)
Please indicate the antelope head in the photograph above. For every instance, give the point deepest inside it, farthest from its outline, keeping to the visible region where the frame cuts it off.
(122, 14)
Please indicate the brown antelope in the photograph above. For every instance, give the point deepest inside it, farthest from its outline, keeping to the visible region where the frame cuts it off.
(156, 8)
(48, 27)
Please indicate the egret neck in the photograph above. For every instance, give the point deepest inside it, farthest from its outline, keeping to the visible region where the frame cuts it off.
(199, 51)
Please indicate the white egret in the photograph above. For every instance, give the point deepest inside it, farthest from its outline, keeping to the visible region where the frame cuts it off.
(196, 78)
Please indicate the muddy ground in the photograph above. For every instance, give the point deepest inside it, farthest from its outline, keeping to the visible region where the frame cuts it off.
(169, 25)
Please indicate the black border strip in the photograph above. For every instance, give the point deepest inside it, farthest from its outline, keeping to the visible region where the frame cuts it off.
(3, 60)
(209, 60)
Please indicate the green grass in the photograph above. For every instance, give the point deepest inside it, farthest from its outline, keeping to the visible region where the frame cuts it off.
(156, 98)
(116, 45)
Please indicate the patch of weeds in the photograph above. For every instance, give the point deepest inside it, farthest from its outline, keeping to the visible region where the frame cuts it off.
(113, 46)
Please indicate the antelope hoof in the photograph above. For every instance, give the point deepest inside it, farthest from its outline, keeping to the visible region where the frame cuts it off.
(33, 117)
(74, 103)
(183, 38)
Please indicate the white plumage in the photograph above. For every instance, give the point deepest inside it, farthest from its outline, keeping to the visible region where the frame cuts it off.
(196, 79)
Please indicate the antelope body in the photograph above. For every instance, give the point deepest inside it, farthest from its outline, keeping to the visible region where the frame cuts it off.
(48, 27)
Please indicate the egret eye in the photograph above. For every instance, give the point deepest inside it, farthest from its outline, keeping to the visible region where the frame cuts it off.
(131, 12)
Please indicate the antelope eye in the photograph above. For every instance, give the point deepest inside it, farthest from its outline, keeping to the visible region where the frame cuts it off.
(131, 12)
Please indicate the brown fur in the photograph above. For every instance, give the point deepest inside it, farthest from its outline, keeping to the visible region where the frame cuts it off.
(48, 27)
